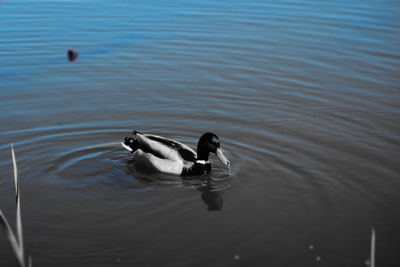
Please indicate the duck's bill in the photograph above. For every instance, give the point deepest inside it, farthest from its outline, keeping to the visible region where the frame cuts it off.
(222, 157)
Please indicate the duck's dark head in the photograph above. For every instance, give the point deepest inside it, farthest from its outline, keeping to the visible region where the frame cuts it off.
(209, 143)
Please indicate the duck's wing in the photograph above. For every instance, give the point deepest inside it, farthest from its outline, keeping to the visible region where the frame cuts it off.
(165, 148)
(157, 163)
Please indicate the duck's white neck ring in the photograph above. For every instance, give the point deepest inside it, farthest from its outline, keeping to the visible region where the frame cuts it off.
(202, 162)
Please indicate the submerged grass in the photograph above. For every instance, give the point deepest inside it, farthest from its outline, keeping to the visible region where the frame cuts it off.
(16, 241)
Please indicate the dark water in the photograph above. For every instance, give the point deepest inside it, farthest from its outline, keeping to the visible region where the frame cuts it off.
(303, 94)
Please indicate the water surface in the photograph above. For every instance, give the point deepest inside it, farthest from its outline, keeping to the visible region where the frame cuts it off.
(303, 94)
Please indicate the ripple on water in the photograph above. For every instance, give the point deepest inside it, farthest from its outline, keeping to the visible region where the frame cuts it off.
(78, 156)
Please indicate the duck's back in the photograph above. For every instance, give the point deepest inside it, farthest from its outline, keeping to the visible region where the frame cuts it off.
(166, 148)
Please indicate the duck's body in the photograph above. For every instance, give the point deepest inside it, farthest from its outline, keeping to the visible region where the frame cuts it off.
(170, 156)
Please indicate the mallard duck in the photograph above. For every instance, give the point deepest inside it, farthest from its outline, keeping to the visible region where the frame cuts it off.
(170, 156)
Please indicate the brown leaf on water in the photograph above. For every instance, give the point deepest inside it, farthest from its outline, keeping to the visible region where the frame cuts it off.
(72, 55)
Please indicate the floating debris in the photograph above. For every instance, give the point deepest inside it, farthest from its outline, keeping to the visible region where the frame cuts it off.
(318, 258)
(236, 257)
(311, 247)
(72, 55)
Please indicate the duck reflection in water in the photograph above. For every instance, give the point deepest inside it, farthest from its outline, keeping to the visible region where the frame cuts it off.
(211, 189)
(211, 193)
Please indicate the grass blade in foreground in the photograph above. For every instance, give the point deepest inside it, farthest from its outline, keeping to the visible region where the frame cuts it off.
(19, 221)
(372, 258)
(17, 243)
(11, 237)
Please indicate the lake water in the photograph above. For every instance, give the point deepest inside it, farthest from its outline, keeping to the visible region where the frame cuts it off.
(304, 96)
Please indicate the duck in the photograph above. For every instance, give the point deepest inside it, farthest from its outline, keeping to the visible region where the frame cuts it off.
(170, 156)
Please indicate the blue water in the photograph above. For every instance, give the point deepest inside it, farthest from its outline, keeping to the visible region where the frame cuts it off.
(303, 94)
